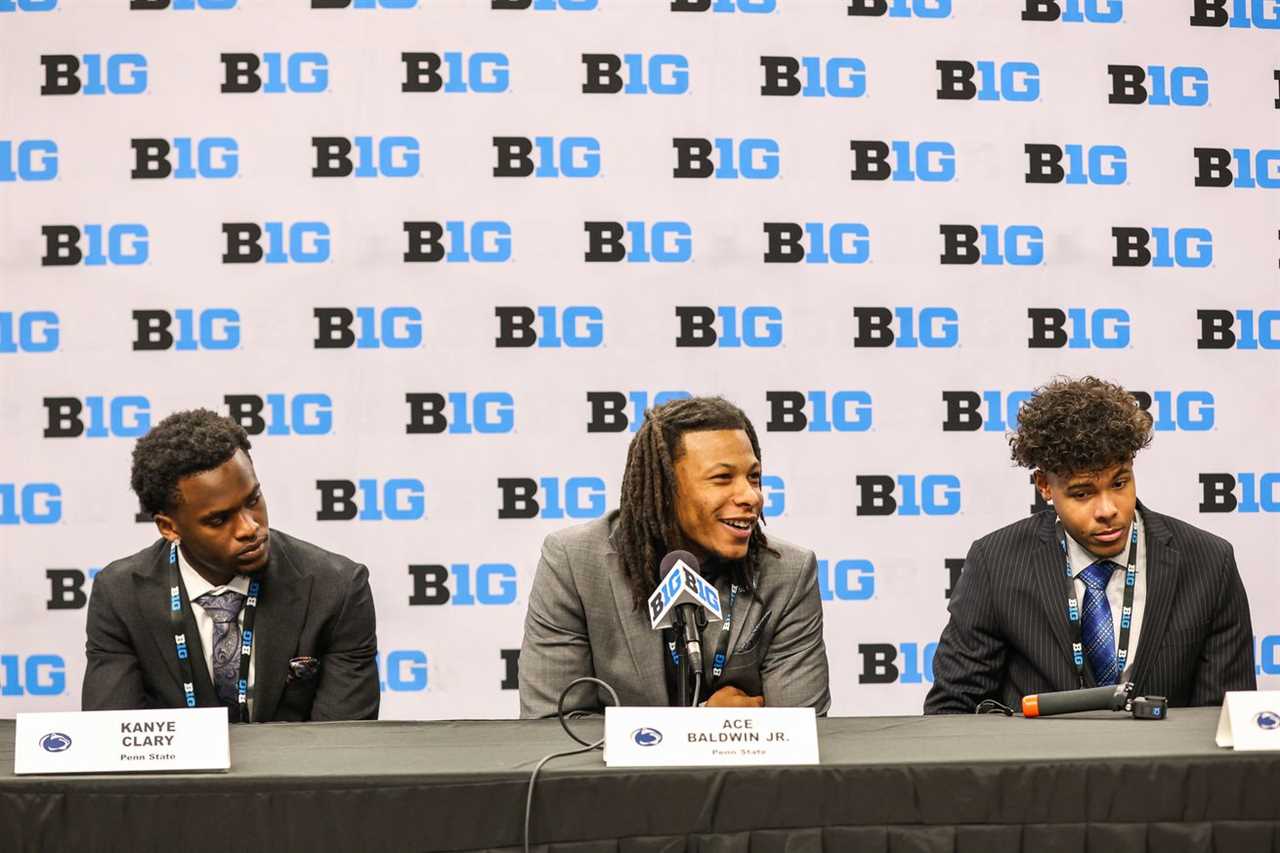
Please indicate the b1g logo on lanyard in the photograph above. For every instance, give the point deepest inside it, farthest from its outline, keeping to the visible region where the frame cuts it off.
(180, 637)
(1073, 606)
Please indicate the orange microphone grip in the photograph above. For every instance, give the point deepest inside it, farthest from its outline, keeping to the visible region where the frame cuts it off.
(1031, 706)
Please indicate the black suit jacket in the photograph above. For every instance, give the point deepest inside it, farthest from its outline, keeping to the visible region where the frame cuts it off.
(1009, 636)
(313, 603)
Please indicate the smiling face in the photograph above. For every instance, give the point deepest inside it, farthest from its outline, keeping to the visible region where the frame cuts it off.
(718, 497)
(1096, 508)
(221, 521)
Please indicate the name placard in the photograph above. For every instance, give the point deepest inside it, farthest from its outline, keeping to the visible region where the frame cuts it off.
(1250, 720)
(122, 741)
(700, 737)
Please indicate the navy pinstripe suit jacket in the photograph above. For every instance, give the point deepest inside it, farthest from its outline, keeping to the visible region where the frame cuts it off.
(1008, 635)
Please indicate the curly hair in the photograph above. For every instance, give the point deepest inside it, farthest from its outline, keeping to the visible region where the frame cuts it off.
(183, 444)
(1079, 425)
(647, 526)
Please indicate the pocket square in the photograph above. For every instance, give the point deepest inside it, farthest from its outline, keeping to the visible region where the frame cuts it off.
(303, 669)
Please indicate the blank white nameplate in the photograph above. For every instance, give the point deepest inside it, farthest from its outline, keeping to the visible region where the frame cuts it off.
(1250, 720)
(702, 737)
(122, 741)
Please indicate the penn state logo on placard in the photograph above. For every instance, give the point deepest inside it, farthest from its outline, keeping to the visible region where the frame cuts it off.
(1267, 720)
(646, 737)
(55, 742)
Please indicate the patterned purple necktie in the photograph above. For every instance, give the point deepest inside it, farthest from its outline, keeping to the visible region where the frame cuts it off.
(1099, 633)
(224, 610)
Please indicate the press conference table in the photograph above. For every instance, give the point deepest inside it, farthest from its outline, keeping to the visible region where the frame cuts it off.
(987, 784)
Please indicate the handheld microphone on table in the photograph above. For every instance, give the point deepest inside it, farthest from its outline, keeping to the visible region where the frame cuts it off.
(1113, 697)
(682, 597)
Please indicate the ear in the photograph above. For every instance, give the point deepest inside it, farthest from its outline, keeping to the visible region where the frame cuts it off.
(1042, 483)
(165, 525)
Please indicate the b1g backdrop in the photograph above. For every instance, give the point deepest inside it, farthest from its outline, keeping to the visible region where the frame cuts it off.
(438, 258)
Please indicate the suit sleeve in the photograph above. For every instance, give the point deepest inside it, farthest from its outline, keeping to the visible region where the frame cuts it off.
(556, 648)
(968, 664)
(1226, 660)
(348, 685)
(113, 675)
(794, 670)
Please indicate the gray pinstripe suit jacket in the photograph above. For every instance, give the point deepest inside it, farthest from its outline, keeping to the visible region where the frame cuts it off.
(1009, 636)
(581, 621)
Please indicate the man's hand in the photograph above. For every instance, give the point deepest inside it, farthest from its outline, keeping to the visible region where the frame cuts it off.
(731, 697)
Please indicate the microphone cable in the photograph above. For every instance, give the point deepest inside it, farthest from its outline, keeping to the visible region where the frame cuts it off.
(586, 746)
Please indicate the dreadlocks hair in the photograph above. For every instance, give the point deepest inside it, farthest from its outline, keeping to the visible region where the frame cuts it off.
(647, 526)
(183, 444)
(1079, 425)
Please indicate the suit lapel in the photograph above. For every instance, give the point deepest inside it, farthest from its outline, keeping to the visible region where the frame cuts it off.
(152, 583)
(282, 608)
(1047, 567)
(643, 643)
(1163, 570)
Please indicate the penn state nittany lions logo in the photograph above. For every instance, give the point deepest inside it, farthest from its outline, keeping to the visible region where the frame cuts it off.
(1267, 720)
(55, 742)
(647, 737)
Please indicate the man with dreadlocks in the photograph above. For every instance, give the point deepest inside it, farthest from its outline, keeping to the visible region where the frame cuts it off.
(1098, 590)
(222, 609)
(692, 482)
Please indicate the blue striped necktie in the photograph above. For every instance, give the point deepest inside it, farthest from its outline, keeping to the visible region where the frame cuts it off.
(1099, 632)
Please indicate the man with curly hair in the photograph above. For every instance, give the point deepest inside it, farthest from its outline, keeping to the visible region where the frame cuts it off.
(1149, 599)
(222, 610)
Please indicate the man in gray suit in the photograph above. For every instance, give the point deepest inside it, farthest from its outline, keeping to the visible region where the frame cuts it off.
(1101, 589)
(692, 482)
(168, 627)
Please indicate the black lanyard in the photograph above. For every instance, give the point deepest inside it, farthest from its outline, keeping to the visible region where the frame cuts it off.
(180, 638)
(722, 644)
(1126, 610)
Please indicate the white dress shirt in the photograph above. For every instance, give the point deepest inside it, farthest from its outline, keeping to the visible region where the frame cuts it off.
(1081, 559)
(198, 586)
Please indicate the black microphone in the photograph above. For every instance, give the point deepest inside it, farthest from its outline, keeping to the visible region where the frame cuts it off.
(1112, 697)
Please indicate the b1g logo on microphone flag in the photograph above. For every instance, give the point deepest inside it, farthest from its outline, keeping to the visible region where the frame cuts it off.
(682, 585)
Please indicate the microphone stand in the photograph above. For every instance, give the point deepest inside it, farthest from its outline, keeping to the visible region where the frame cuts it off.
(682, 671)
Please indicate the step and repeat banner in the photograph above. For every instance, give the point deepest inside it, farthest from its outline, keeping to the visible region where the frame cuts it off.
(438, 258)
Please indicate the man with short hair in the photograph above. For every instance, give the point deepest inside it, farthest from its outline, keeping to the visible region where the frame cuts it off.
(223, 610)
(1098, 590)
(691, 482)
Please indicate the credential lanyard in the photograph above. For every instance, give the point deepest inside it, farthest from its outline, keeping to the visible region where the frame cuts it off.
(1126, 610)
(722, 643)
(180, 637)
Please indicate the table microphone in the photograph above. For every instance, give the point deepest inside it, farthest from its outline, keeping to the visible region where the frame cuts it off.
(681, 596)
(1107, 698)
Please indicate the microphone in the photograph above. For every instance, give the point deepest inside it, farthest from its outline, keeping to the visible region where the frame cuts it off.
(681, 596)
(1107, 698)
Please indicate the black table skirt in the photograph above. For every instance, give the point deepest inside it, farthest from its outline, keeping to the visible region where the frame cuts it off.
(1096, 783)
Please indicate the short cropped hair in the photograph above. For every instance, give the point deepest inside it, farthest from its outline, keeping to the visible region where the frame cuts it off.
(182, 445)
(1072, 426)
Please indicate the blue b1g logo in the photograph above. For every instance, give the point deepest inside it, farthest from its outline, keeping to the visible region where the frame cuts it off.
(405, 671)
(36, 675)
(29, 331)
(112, 74)
(846, 580)
(28, 160)
(32, 503)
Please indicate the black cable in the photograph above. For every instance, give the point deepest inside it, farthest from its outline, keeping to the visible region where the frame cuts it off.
(991, 706)
(697, 689)
(586, 747)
